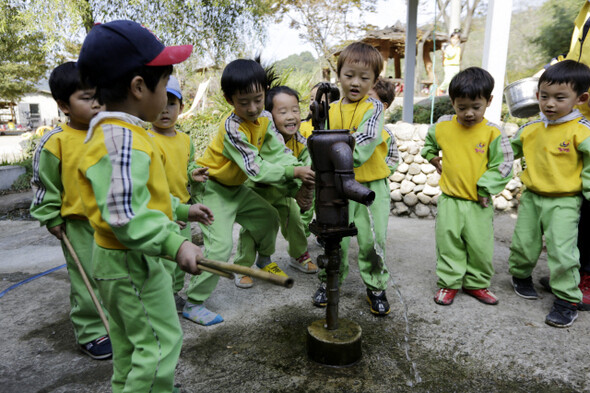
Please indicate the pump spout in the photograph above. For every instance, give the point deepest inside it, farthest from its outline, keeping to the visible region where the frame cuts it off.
(346, 185)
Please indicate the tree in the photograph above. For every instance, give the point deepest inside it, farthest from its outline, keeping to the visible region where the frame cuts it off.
(216, 28)
(555, 33)
(22, 58)
(325, 22)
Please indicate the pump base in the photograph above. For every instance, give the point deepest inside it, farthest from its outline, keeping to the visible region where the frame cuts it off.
(338, 347)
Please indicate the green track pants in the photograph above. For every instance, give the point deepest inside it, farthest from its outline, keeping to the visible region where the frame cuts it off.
(83, 313)
(464, 243)
(371, 238)
(232, 204)
(557, 219)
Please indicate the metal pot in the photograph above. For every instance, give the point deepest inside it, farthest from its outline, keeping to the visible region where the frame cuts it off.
(521, 97)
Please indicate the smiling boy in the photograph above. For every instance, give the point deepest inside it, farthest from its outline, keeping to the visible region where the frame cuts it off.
(557, 176)
(476, 163)
(247, 146)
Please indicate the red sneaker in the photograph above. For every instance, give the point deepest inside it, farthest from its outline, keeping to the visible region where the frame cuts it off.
(445, 296)
(483, 295)
(584, 286)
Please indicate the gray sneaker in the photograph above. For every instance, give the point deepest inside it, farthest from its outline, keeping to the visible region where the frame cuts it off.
(563, 314)
(524, 288)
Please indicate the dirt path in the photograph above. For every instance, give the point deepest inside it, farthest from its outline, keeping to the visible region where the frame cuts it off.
(467, 347)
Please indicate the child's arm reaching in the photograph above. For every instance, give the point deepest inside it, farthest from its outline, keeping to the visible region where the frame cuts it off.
(305, 174)
(188, 256)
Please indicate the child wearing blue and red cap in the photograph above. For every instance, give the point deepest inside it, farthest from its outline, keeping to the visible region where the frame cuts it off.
(127, 199)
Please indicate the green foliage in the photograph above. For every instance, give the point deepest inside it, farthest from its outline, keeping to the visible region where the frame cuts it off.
(201, 128)
(216, 28)
(324, 23)
(422, 110)
(23, 182)
(554, 35)
(22, 59)
(443, 106)
(304, 63)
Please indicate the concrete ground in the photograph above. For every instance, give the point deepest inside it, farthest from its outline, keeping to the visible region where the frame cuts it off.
(419, 347)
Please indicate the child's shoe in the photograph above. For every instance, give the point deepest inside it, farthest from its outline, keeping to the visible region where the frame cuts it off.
(180, 302)
(524, 288)
(584, 286)
(563, 314)
(304, 264)
(378, 302)
(320, 298)
(445, 296)
(243, 281)
(98, 349)
(198, 313)
(483, 295)
(273, 268)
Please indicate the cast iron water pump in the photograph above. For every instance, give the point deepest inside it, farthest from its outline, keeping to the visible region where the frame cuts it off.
(331, 152)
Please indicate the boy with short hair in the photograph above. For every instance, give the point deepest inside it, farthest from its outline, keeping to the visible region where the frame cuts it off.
(247, 146)
(57, 203)
(127, 199)
(179, 163)
(557, 176)
(358, 68)
(476, 164)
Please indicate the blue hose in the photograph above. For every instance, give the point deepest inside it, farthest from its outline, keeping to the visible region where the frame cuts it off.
(18, 284)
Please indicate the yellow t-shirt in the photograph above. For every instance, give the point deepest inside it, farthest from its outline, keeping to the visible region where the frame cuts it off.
(176, 150)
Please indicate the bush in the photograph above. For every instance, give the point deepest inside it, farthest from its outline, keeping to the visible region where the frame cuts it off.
(201, 128)
(442, 106)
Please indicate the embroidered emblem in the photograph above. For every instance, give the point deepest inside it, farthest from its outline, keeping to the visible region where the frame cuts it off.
(564, 147)
(480, 148)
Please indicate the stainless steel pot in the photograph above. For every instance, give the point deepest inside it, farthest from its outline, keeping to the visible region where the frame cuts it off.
(521, 97)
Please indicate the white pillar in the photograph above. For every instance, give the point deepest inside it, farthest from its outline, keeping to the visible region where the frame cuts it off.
(495, 51)
(455, 22)
(410, 62)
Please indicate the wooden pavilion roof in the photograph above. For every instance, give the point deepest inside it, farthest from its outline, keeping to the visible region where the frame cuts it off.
(395, 37)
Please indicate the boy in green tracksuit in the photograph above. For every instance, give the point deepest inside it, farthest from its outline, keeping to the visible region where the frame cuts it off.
(126, 197)
(178, 155)
(247, 146)
(476, 163)
(57, 204)
(283, 103)
(557, 178)
(358, 67)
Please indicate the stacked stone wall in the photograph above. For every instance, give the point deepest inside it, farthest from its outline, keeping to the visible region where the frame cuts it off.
(414, 186)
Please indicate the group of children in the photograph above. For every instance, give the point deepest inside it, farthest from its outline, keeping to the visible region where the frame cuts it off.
(478, 161)
(124, 191)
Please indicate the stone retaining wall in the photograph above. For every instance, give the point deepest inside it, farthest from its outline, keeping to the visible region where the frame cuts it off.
(414, 185)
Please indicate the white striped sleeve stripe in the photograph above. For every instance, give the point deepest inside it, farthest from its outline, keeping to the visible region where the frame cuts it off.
(370, 131)
(118, 142)
(232, 128)
(37, 185)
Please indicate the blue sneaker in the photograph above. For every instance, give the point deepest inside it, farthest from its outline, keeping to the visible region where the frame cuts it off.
(99, 349)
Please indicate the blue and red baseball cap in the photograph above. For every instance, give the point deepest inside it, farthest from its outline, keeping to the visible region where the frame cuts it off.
(113, 49)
